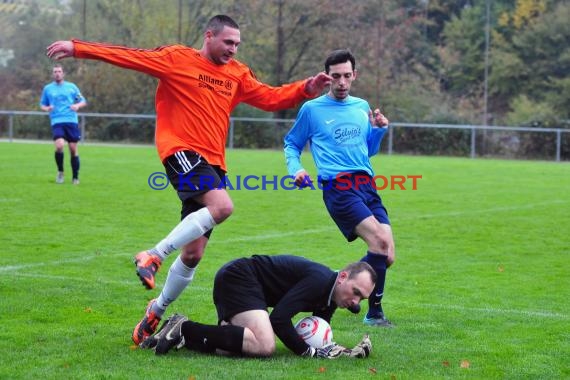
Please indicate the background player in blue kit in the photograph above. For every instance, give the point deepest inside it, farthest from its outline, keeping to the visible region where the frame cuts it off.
(343, 133)
(62, 100)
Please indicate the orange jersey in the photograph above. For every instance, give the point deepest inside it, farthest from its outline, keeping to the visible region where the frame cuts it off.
(195, 97)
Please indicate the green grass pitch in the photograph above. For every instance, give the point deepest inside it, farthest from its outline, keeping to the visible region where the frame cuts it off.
(479, 289)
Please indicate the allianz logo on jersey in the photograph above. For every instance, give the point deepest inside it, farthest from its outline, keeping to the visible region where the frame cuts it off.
(218, 82)
(341, 135)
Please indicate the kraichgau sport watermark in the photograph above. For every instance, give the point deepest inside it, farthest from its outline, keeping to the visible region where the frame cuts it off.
(343, 181)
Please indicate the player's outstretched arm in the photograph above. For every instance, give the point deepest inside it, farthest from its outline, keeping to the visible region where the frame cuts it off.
(60, 49)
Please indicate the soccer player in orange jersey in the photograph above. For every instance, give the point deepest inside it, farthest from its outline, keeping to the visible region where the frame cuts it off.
(197, 90)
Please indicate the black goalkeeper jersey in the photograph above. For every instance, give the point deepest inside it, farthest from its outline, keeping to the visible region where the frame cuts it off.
(291, 285)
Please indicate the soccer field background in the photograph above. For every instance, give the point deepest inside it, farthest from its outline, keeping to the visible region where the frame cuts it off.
(479, 289)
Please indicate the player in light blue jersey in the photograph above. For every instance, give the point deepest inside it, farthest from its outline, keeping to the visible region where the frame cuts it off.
(343, 133)
(62, 100)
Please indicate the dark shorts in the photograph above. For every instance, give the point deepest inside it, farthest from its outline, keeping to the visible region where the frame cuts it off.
(191, 175)
(349, 203)
(236, 290)
(68, 131)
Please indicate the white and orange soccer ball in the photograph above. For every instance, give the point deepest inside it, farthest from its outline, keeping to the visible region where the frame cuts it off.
(315, 331)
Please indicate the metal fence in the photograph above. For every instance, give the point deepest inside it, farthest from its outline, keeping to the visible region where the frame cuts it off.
(403, 138)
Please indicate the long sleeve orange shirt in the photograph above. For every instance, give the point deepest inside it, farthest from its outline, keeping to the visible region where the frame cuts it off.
(195, 97)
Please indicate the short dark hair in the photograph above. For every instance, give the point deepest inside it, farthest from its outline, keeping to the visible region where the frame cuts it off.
(217, 23)
(339, 56)
(355, 268)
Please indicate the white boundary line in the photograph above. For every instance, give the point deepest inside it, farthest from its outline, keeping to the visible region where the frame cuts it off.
(480, 310)
(8, 268)
(495, 209)
(98, 280)
(485, 310)
(12, 270)
(426, 216)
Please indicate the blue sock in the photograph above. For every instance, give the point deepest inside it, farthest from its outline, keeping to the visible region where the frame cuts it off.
(378, 262)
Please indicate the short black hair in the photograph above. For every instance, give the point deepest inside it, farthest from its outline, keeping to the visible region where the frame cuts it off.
(217, 23)
(339, 56)
(360, 266)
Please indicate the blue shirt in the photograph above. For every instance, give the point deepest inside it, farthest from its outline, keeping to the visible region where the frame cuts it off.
(61, 97)
(339, 134)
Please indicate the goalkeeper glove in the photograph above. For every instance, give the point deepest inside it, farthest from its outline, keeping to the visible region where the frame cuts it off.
(334, 350)
(362, 349)
(331, 351)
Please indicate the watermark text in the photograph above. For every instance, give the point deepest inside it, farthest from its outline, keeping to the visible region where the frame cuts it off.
(343, 181)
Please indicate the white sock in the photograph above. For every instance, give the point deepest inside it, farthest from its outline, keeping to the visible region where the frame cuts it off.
(190, 228)
(179, 277)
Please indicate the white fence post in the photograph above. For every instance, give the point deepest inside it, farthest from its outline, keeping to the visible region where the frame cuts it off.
(10, 127)
(473, 134)
(558, 144)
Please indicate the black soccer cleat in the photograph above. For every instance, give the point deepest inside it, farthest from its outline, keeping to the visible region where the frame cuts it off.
(170, 335)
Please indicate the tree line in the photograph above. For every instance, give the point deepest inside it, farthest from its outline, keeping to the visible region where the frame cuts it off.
(494, 62)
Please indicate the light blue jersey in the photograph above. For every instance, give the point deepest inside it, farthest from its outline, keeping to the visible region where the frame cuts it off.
(340, 135)
(61, 96)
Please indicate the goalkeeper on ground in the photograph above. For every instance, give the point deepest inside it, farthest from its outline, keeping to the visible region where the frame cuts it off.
(243, 291)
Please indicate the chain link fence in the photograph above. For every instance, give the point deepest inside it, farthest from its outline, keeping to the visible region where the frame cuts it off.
(267, 133)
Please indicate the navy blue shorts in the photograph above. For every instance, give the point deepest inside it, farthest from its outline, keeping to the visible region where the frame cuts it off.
(191, 175)
(68, 131)
(349, 201)
(236, 290)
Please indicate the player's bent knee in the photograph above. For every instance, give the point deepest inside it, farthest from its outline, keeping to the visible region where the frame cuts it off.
(226, 210)
(258, 347)
(266, 349)
(222, 210)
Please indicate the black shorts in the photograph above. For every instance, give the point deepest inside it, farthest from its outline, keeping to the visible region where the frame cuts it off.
(236, 290)
(191, 175)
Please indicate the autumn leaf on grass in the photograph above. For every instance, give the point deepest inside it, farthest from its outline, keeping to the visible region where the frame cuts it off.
(501, 268)
(372, 370)
(445, 363)
(322, 369)
(465, 364)
(88, 310)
